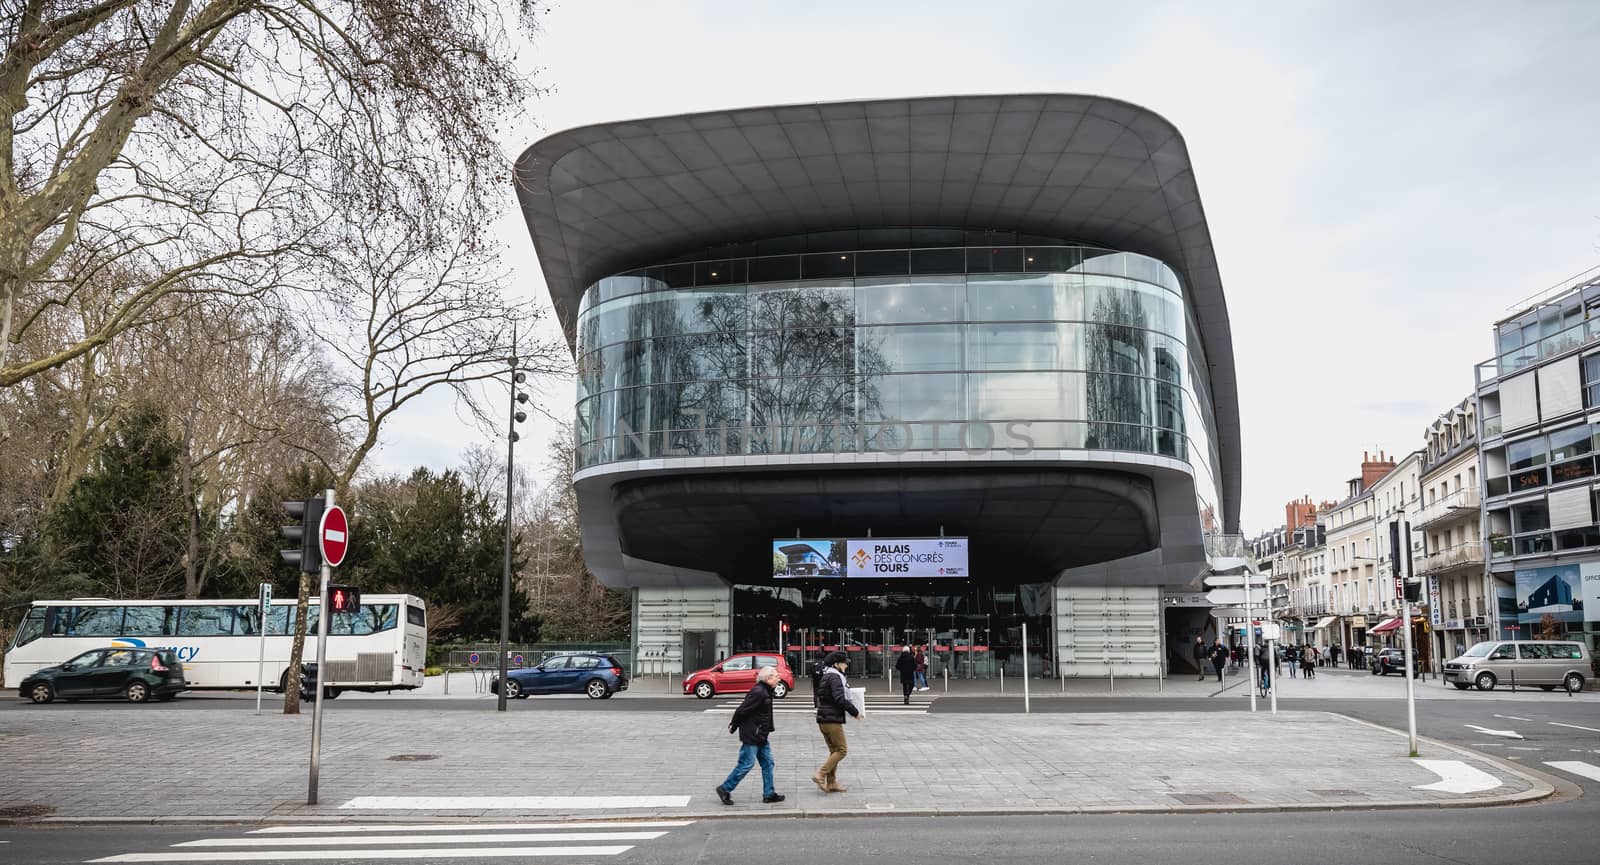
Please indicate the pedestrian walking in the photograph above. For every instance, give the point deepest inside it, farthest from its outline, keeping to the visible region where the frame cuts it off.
(833, 704)
(1200, 655)
(922, 669)
(1308, 661)
(1219, 659)
(1333, 655)
(753, 722)
(907, 665)
(1292, 655)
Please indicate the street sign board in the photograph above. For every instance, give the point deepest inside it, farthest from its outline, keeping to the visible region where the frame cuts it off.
(334, 535)
(1219, 581)
(266, 596)
(1227, 597)
(1271, 631)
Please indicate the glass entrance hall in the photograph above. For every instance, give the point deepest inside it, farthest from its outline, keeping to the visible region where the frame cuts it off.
(968, 631)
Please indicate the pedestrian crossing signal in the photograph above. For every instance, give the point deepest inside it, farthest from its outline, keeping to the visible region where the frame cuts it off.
(344, 599)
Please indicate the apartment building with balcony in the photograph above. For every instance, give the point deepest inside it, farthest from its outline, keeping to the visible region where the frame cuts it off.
(1456, 585)
(1538, 407)
(1396, 500)
(1353, 557)
(1269, 552)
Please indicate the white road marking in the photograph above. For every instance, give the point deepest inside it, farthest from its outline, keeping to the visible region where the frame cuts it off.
(1523, 748)
(1577, 767)
(1457, 777)
(1574, 726)
(530, 803)
(1509, 734)
(342, 828)
(428, 853)
(1513, 718)
(519, 837)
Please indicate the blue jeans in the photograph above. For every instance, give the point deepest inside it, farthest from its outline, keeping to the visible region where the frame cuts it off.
(921, 679)
(749, 755)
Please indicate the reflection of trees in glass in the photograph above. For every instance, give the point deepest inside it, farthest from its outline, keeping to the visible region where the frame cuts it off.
(1116, 342)
(1169, 404)
(804, 393)
(697, 358)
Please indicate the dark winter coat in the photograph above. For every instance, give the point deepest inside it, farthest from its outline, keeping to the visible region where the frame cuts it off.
(833, 700)
(753, 718)
(907, 665)
(1219, 655)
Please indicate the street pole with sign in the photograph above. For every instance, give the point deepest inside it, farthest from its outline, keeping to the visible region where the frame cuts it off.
(333, 534)
(264, 596)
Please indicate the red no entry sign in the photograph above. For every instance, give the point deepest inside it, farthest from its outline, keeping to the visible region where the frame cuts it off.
(334, 532)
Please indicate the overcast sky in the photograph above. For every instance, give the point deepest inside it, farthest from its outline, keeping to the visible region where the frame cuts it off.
(1382, 180)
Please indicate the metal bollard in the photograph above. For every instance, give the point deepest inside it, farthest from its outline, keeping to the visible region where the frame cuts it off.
(447, 681)
(947, 680)
(1002, 680)
(1112, 677)
(1513, 681)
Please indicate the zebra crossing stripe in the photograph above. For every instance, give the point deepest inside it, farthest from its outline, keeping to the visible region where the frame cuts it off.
(520, 837)
(430, 853)
(346, 828)
(1576, 767)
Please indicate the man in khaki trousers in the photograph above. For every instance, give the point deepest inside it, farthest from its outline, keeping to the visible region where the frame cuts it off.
(833, 704)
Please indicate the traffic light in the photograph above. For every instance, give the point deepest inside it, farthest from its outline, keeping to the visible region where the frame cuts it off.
(309, 554)
(344, 599)
(1413, 590)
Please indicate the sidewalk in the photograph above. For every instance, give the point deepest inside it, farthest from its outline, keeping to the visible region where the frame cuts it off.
(110, 762)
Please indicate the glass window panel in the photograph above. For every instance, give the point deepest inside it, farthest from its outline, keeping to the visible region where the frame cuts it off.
(1016, 298)
(97, 622)
(885, 263)
(930, 299)
(556, 663)
(787, 402)
(723, 272)
(1047, 259)
(938, 261)
(697, 405)
(247, 619)
(699, 357)
(210, 621)
(914, 397)
(280, 620)
(1024, 346)
(704, 310)
(1027, 395)
(910, 348)
(1526, 453)
(1121, 406)
(1571, 442)
(803, 305)
(827, 264)
(1530, 517)
(1118, 348)
(805, 351)
(781, 268)
(149, 622)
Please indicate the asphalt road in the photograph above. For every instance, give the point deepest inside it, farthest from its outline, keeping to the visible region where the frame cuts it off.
(1561, 832)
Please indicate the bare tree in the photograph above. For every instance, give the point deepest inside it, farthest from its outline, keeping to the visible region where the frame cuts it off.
(203, 146)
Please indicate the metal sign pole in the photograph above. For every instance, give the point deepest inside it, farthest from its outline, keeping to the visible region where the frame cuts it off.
(322, 672)
(1027, 705)
(264, 595)
(1272, 661)
(1250, 641)
(1411, 695)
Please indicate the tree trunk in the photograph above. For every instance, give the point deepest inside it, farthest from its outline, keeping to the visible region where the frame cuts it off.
(291, 691)
(191, 560)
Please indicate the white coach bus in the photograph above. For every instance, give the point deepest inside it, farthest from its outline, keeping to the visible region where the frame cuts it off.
(382, 647)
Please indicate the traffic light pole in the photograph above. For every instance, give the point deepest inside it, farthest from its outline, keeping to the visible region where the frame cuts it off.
(505, 575)
(322, 656)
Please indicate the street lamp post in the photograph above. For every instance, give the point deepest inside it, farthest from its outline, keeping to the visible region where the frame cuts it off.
(517, 377)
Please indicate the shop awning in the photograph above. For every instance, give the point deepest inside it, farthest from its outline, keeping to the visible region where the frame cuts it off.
(1387, 626)
(1323, 623)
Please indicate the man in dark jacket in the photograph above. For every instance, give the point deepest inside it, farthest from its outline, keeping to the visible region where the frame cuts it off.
(907, 665)
(833, 703)
(1219, 658)
(1200, 652)
(753, 721)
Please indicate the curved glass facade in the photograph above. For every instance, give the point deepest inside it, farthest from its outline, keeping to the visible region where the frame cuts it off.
(977, 349)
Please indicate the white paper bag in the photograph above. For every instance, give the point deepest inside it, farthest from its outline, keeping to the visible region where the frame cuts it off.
(858, 696)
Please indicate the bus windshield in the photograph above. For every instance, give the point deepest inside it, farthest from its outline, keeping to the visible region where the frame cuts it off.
(31, 628)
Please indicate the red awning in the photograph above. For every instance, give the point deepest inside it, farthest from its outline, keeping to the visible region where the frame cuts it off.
(1386, 626)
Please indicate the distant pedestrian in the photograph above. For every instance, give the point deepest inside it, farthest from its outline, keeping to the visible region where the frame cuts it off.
(1333, 655)
(1292, 655)
(753, 722)
(1308, 661)
(1200, 655)
(907, 665)
(922, 669)
(833, 703)
(1219, 659)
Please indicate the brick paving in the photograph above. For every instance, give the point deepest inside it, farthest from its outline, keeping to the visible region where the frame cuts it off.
(109, 761)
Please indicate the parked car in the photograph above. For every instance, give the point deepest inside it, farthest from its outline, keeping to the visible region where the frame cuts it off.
(129, 674)
(1393, 661)
(737, 674)
(1549, 664)
(599, 676)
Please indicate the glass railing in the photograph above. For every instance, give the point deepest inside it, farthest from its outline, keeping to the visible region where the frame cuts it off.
(1452, 505)
(1451, 557)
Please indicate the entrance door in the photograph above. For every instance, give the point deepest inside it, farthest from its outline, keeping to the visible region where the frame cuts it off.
(699, 650)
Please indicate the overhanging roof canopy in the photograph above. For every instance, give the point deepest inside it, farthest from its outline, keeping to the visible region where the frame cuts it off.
(610, 197)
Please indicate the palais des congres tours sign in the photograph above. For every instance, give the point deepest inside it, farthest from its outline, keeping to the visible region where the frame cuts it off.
(874, 558)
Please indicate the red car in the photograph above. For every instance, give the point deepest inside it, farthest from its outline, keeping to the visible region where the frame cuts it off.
(737, 674)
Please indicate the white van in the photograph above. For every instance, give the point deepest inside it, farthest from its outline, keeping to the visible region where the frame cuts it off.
(1548, 664)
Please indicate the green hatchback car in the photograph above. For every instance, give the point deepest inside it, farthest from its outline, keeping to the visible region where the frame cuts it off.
(135, 675)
